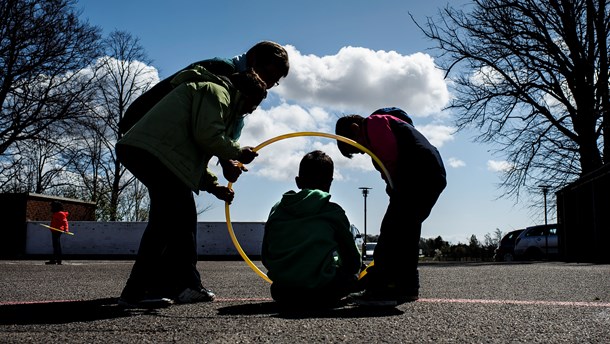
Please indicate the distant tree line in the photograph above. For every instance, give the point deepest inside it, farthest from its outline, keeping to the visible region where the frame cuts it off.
(439, 249)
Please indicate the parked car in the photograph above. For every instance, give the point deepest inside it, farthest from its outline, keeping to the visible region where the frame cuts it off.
(505, 250)
(370, 248)
(357, 238)
(537, 242)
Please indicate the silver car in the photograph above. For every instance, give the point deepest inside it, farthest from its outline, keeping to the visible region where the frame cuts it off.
(537, 242)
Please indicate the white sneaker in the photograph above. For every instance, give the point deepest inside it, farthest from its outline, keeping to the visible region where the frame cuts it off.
(190, 295)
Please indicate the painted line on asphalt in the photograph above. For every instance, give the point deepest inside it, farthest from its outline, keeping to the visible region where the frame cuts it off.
(12, 303)
(472, 301)
(425, 300)
(243, 299)
(521, 302)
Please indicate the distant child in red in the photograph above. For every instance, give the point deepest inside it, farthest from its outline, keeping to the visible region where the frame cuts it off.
(58, 221)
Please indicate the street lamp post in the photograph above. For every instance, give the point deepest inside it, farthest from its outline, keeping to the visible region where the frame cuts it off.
(365, 193)
(545, 190)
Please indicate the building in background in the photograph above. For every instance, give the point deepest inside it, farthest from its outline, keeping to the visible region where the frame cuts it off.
(583, 217)
(19, 208)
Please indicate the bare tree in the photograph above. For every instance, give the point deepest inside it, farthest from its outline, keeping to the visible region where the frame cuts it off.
(86, 148)
(43, 48)
(492, 240)
(43, 165)
(122, 75)
(532, 77)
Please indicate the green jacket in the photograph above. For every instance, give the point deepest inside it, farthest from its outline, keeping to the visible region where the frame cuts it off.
(195, 121)
(142, 104)
(306, 239)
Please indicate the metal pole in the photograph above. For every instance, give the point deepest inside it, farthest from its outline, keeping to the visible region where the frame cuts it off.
(545, 190)
(365, 192)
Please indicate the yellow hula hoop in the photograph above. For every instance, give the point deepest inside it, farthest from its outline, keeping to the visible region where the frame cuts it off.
(282, 137)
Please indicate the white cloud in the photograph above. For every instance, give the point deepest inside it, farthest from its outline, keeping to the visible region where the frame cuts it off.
(136, 72)
(320, 89)
(362, 80)
(456, 163)
(486, 76)
(279, 160)
(437, 134)
(498, 166)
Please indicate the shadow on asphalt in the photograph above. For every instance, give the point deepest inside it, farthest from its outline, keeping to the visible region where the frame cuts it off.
(61, 312)
(275, 310)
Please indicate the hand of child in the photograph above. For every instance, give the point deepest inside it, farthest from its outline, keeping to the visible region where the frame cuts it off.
(231, 169)
(247, 155)
(223, 193)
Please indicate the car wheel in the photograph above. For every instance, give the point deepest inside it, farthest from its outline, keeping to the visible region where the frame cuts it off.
(533, 253)
(508, 257)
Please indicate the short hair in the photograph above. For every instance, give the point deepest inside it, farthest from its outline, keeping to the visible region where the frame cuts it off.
(316, 170)
(250, 84)
(343, 128)
(267, 52)
(56, 206)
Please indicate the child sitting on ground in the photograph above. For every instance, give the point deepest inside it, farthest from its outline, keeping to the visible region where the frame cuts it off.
(308, 249)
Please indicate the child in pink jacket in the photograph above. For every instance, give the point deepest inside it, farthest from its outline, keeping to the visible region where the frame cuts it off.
(418, 177)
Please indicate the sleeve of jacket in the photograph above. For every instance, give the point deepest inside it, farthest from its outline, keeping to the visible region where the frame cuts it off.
(210, 106)
(383, 143)
(208, 181)
(350, 256)
(265, 244)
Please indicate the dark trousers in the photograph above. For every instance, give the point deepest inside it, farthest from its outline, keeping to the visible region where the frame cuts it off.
(326, 296)
(396, 255)
(167, 257)
(56, 240)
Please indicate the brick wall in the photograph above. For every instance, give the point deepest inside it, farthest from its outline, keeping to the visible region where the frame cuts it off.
(39, 209)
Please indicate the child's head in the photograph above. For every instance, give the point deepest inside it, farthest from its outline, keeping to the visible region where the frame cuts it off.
(270, 60)
(315, 171)
(252, 88)
(56, 206)
(349, 126)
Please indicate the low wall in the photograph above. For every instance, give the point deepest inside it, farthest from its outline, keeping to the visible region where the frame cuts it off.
(123, 238)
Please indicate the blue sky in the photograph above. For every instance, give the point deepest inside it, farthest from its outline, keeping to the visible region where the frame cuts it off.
(346, 57)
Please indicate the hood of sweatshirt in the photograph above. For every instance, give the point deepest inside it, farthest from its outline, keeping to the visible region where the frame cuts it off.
(305, 202)
(197, 74)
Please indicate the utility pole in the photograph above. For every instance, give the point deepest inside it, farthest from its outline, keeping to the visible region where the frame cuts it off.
(545, 190)
(365, 193)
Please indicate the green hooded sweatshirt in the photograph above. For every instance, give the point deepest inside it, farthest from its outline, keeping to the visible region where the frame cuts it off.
(198, 119)
(306, 239)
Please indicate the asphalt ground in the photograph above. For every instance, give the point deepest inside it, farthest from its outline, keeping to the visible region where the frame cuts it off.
(536, 302)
